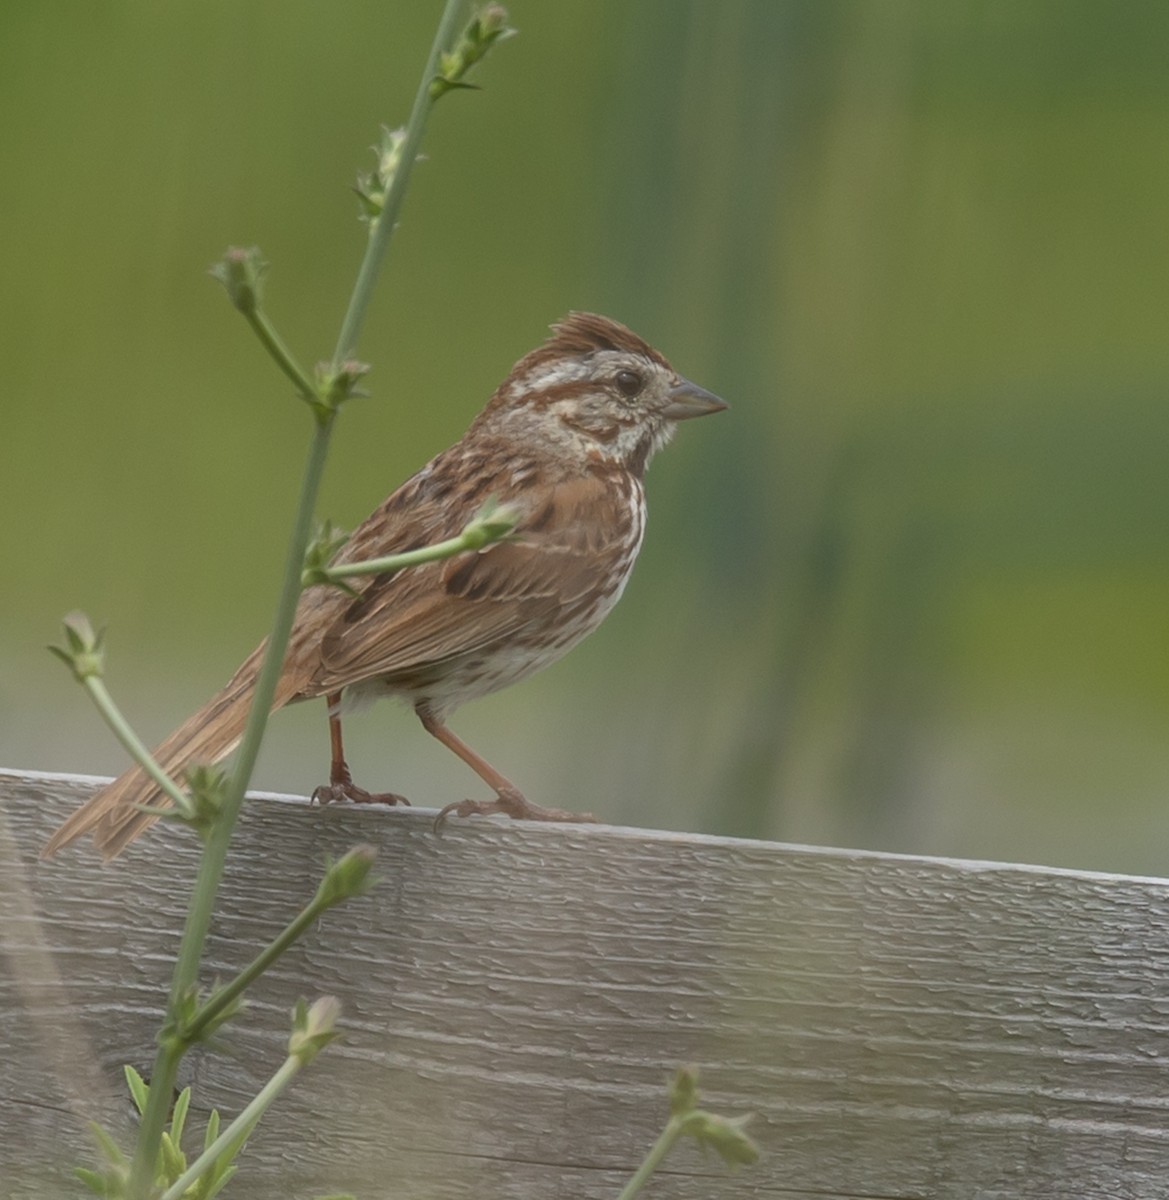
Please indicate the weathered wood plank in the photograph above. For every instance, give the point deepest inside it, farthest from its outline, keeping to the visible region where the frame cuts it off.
(515, 997)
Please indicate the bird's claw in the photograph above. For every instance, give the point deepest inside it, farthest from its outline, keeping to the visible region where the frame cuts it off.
(341, 792)
(510, 804)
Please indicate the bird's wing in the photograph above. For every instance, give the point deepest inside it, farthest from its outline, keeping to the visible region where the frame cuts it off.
(568, 544)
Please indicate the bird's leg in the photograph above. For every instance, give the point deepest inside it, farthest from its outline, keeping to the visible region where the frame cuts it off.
(341, 785)
(508, 798)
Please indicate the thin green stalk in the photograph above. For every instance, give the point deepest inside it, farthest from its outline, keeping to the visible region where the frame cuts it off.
(273, 662)
(313, 1028)
(171, 1048)
(383, 227)
(215, 850)
(223, 997)
(281, 355)
(675, 1128)
(112, 716)
(238, 1129)
(467, 540)
(346, 878)
(184, 980)
(408, 558)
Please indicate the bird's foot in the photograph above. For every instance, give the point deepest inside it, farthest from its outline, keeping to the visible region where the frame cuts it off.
(338, 793)
(341, 788)
(511, 804)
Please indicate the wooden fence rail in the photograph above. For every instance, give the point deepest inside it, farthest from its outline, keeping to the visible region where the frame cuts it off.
(516, 996)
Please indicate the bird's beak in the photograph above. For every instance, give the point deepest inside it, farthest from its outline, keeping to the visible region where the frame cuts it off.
(689, 400)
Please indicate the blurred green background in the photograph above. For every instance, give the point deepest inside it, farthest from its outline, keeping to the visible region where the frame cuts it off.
(910, 593)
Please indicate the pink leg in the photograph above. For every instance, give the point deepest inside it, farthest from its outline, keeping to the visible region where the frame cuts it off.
(508, 798)
(341, 785)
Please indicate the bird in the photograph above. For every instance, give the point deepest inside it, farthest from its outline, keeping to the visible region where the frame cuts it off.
(564, 443)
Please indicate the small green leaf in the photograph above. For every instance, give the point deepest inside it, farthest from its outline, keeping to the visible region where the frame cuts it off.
(212, 1130)
(217, 1180)
(336, 385)
(320, 554)
(172, 1160)
(179, 1114)
(139, 1091)
(206, 793)
(109, 1149)
(488, 27)
(371, 196)
(727, 1136)
(174, 1031)
(372, 186)
(99, 1184)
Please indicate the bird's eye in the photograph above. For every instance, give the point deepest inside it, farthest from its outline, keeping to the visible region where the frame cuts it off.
(629, 383)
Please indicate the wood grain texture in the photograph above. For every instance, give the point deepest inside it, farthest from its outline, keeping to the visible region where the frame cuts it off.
(515, 997)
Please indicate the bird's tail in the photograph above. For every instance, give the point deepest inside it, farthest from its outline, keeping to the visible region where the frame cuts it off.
(211, 734)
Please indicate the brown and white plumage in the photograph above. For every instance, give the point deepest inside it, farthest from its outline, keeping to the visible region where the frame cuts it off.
(565, 439)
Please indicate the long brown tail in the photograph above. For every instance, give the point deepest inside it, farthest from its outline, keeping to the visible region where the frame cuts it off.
(211, 734)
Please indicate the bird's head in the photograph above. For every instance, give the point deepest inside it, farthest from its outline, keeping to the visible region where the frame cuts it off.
(596, 391)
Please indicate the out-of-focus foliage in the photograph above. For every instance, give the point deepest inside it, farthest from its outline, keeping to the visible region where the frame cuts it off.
(911, 592)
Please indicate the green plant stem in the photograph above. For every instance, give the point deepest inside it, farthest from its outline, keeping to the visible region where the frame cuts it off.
(383, 227)
(238, 1129)
(223, 996)
(675, 1128)
(171, 1048)
(280, 353)
(121, 729)
(410, 558)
